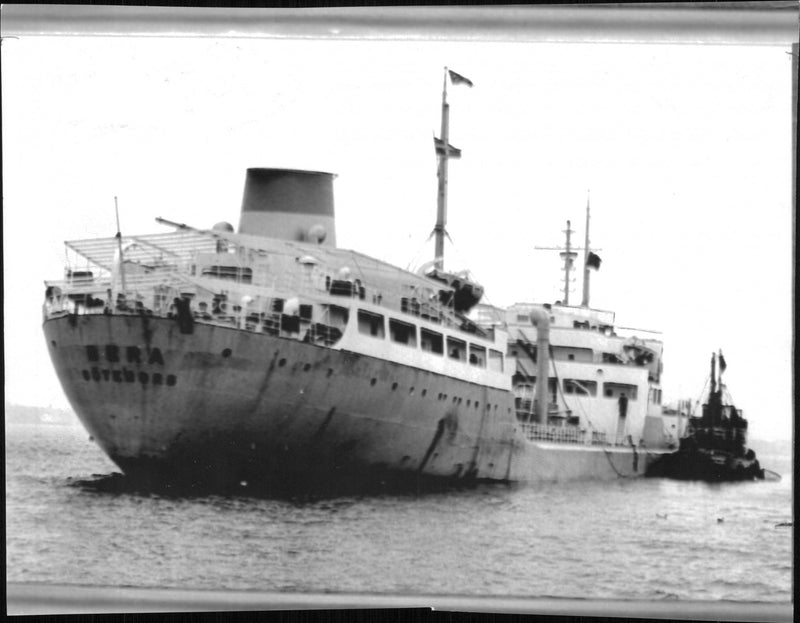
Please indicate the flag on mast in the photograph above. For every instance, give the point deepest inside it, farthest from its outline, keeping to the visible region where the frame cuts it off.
(452, 152)
(593, 261)
(458, 78)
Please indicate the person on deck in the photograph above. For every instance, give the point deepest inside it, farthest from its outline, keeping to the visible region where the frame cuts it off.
(623, 405)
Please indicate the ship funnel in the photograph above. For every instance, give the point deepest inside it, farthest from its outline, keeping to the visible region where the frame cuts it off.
(541, 320)
(290, 205)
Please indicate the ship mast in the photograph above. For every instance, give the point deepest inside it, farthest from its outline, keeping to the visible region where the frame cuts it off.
(713, 373)
(568, 254)
(585, 301)
(441, 203)
(444, 151)
(119, 247)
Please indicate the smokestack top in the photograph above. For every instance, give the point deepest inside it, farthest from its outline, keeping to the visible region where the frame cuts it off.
(288, 190)
(291, 204)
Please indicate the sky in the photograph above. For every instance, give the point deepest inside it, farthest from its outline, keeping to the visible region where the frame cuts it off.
(683, 150)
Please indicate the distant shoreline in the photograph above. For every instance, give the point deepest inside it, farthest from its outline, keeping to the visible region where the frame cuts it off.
(774, 455)
(46, 416)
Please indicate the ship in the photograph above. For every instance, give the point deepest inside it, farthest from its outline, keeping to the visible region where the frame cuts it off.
(267, 356)
(714, 448)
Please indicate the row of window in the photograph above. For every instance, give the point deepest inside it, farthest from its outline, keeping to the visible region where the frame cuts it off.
(610, 390)
(372, 324)
(576, 387)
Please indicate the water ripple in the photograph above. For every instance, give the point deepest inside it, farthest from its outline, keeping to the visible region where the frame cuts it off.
(70, 518)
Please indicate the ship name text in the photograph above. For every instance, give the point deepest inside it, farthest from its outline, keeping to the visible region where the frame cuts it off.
(132, 355)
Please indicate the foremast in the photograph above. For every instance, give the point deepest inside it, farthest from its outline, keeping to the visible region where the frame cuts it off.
(444, 151)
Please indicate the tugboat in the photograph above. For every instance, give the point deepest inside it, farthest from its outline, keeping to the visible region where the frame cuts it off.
(714, 448)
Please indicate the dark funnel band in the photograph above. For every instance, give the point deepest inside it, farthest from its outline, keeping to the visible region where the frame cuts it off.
(288, 190)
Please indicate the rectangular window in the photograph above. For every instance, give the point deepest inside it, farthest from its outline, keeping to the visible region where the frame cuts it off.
(235, 273)
(371, 324)
(403, 332)
(336, 316)
(477, 355)
(523, 318)
(456, 349)
(431, 341)
(572, 354)
(495, 360)
(580, 388)
(615, 390)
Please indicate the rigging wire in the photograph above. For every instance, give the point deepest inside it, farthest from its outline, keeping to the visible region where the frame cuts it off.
(697, 402)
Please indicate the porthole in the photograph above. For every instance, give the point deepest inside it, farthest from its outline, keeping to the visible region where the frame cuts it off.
(330, 372)
(394, 386)
(281, 363)
(373, 381)
(306, 367)
(424, 392)
(410, 390)
(53, 343)
(226, 352)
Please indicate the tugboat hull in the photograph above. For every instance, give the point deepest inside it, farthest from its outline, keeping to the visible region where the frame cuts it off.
(687, 465)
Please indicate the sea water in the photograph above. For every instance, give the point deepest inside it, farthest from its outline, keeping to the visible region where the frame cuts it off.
(626, 539)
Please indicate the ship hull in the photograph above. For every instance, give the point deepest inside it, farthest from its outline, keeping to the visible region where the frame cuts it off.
(216, 406)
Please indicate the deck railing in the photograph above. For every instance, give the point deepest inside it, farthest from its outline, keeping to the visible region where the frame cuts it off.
(154, 294)
(562, 434)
